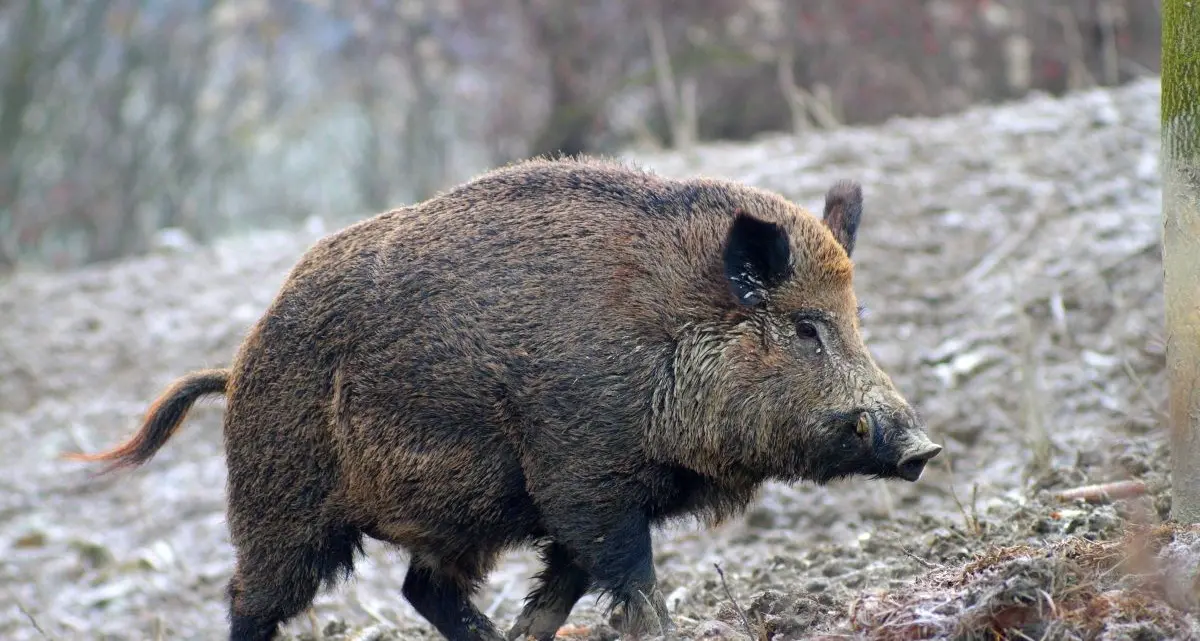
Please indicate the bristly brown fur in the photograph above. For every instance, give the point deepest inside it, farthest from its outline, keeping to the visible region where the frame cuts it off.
(561, 353)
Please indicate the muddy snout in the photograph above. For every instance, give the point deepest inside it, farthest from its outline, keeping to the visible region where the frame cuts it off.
(912, 463)
(904, 444)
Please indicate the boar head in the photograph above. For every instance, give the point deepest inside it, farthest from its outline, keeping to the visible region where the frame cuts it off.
(784, 383)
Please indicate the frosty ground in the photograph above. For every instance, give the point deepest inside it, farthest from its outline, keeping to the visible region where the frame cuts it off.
(1009, 259)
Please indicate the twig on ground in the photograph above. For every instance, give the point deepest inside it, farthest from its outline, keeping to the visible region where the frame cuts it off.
(929, 564)
(1050, 602)
(961, 510)
(500, 598)
(889, 504)
(374, 612)
(997, 255)
(970, 519)
(572, 631)
(1058, 311)
(316, 625)
(370, 633)
(1033, 401)
(662, 629)
(737, 608)
(975, 505)
(1104, 492)
(32, 620)
(1145, 393)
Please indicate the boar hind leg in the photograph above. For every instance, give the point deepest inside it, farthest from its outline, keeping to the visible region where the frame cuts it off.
(442, 594)
(560, 585)
(277, 577)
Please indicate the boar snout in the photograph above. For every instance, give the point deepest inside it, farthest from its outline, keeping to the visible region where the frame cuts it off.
(900, 443)
(912, 462)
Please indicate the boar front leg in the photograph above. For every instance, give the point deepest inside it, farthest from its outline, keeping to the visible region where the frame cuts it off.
(444, 599)
(612, 544)
(560, 585)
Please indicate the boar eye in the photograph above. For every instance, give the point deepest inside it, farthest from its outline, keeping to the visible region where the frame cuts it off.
(807, 330)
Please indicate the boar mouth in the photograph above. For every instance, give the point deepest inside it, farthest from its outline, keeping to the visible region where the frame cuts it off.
(887, 448)
(897, 447)
(912, 465)
(905, 454)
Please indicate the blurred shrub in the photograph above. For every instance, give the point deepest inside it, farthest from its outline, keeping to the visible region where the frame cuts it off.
(119, 118)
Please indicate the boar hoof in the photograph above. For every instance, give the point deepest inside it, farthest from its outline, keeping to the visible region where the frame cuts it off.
(535, 626)
(638, 621)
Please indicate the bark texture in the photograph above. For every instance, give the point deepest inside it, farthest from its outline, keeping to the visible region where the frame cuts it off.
(1181, 246)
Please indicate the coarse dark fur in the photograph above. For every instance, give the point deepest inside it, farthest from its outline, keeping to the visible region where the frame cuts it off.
(559, 352)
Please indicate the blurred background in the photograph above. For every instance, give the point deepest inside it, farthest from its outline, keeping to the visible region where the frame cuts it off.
(165, 163)
(121, 118)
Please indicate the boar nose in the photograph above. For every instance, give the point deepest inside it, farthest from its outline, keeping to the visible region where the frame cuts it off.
(912, 464)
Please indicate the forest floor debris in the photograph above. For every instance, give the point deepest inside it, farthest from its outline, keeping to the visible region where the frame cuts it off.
(1009, 260)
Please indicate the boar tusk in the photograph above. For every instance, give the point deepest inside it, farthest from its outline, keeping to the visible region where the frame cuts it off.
(864, 424)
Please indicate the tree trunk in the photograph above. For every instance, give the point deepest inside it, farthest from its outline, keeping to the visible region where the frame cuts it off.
(17, 80)
(559, 35)
(1181, 246)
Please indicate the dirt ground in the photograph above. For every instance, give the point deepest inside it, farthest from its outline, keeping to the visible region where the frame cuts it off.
(1009, 259)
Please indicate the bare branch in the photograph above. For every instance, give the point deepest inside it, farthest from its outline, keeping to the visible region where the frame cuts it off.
(737, 608)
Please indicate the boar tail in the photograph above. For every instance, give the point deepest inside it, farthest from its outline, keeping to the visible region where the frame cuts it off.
(161, 421)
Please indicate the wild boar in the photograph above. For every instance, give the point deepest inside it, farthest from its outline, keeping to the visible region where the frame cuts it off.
(558, 353)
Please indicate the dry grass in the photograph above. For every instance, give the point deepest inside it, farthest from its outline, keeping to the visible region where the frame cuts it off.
(1074, 589)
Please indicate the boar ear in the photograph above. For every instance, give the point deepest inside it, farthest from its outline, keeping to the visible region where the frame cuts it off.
(843, 210)
(757, 257)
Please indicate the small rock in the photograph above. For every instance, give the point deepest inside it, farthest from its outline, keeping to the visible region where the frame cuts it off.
(761, 518)
(35, 539)
(335, 627)
(373, 633)
(158, 556)
(833, 568)
(718, 630)
(93, 555)
(677, 596)
(1042, 526)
